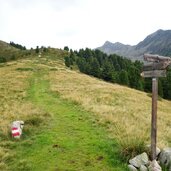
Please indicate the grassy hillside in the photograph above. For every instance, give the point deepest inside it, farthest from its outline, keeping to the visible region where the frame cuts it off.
(5, 46)
(72, 121)
(8, 52)
(125, 112)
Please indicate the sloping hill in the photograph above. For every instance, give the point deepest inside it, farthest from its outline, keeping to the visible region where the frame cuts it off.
(58, 134)
(120, 109)
(158, 42)
(72, 121)
(6, 47)
(8, 52)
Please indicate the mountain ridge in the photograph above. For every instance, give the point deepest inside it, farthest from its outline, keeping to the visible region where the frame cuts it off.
(158, 42)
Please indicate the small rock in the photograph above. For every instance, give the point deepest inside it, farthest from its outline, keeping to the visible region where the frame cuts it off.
(16, 129)
(143, 168)
(132, 168)
(139, 160)
(154, 166)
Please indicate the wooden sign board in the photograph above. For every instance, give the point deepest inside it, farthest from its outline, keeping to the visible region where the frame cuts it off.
(156, 58)
(154, 74)
(155, 66)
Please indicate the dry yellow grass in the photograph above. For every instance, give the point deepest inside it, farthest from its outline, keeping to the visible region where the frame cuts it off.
(125, 112)
(13, 87)
(13, 103)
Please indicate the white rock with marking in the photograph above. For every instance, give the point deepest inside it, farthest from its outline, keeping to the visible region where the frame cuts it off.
(16, 129)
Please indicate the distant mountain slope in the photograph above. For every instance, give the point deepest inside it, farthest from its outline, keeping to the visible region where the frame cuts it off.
(158, 42)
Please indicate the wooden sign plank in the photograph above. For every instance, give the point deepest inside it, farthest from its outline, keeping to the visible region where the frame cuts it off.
(156, 58)
(155, 66)
(154, 74)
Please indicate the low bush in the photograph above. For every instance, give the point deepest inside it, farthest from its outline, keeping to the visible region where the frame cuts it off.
(2, 59)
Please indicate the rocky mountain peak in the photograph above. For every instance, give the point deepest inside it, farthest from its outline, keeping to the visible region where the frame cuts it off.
(158, 42)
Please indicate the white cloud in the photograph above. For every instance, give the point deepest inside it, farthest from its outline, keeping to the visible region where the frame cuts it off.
(81, 23)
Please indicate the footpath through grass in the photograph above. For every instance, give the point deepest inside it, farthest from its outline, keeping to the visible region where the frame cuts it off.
(71, 140)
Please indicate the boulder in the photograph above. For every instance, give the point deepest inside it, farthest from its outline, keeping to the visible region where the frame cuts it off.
(139, 160)
(165, 157)
(132, 168)
(154, 166)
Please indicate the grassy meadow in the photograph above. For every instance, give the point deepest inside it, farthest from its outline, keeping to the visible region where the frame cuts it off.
(124, 112)
(72, 121)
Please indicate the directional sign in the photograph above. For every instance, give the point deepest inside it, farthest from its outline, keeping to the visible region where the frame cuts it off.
(156, 58)
(155, 66)
(154, 70)
(154, 74)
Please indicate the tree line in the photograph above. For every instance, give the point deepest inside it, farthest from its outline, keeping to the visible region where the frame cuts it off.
(18, 46)
(115, 69)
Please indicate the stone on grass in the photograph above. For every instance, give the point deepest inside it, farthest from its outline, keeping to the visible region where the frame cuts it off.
(139, 160)
(154, 166)
(143, 168)
(165, 157)
(132, 168)
(16, 129)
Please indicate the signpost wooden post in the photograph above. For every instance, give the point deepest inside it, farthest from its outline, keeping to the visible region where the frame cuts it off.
(154, 118)
(155, 70)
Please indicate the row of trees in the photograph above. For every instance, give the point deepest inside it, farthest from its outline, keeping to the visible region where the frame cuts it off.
(115, 69)
(42, 49)
(18, 46)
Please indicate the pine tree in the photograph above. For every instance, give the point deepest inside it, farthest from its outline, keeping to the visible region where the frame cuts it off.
(95, 68)
(123, 78)
(37, 49)
(160, 88)
(168, 85)
(66, 48)
(108, 71)
(67, 61)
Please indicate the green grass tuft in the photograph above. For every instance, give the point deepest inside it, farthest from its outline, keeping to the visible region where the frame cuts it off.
(33, 121)
(24, 69)
(132, 147)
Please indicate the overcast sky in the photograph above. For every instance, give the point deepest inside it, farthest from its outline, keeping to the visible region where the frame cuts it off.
(81, 23)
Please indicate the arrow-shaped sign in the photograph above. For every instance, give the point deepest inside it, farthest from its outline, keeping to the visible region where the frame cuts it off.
(154, 74)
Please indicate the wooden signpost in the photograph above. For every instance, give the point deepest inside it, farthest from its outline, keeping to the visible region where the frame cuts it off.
(154, 74)
(154, 70)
